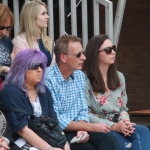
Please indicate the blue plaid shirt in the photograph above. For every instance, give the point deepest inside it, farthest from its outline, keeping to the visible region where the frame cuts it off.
(68, 95)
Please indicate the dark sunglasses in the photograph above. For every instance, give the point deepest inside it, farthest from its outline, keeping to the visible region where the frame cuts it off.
(36, 66)
(78, 55)
(7, 28)
(108, 50)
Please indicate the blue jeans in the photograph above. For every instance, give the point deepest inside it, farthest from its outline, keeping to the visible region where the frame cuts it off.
(140, 139)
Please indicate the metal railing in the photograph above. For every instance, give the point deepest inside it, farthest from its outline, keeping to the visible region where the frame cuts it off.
(111, 29)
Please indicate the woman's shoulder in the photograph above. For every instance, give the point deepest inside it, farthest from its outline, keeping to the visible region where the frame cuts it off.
(20, 37)
(11, 93)
(120, 75)
(10, 87)
(7, 41)
(6, 38)
(46, 89)
(86, 77)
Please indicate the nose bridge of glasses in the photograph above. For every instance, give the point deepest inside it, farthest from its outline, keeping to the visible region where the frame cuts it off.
(80, 54)
(83, 56)
(5, 28)
(39, 68)
(4, 31)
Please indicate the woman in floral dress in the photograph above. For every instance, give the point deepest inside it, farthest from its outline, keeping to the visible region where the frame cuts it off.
(106, 96)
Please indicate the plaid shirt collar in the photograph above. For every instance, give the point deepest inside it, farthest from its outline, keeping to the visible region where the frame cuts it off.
(59, 75)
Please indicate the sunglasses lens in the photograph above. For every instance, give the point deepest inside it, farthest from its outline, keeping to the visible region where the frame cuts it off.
(36, 66)
(7, 28)
(2, 28)
(108, 50)
(78, 55)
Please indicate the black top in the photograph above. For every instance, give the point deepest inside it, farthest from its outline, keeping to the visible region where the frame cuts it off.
(46, 52)
(6, 48)
(18, 99)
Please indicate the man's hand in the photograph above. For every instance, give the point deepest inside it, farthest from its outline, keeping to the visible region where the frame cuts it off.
(79, 133)
(3, 144)
(100, 127)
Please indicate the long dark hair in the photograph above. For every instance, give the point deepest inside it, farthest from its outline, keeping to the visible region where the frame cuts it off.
(91, 68)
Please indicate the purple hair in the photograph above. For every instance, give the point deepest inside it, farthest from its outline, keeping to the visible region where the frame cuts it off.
(22, 61)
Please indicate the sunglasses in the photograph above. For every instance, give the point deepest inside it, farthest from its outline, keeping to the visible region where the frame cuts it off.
(36, 66)
(7, 28)
(77, 55)
(108, 50)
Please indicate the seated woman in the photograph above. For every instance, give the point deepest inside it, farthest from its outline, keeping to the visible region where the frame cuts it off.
(24, 88)
(32, 31)
(6, 46)
(106, 95)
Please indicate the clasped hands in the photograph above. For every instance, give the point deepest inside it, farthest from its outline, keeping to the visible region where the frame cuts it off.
(124, 126)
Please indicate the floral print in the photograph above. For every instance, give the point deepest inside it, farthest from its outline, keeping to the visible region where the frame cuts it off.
(123, 93)
(120, 85)
(106, 109)
(102, 99)
(120, 101)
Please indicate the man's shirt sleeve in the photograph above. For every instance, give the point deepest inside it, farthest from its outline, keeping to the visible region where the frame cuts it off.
(64, 121)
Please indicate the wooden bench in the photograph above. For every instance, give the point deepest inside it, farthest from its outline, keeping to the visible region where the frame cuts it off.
(140, 113)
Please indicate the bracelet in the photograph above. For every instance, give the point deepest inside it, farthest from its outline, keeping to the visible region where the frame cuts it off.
(50, 148)
(113, 126)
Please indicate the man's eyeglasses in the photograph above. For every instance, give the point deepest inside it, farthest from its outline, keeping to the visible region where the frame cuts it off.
(108, 50)
(36, 66)
(78, 55)
(7, 28)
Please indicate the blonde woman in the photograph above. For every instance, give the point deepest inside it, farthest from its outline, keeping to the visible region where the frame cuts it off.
(32, 31)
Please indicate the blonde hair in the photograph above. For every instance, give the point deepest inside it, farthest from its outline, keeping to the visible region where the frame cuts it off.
(5, 14)
(28, 15)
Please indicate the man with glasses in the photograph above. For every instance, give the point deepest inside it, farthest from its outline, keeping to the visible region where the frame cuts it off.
(66, 84)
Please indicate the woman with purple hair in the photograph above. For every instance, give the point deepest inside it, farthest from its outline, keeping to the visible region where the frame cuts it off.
(24, 88)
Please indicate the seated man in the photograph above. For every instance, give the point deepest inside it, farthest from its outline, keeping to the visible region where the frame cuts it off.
(66, 83)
